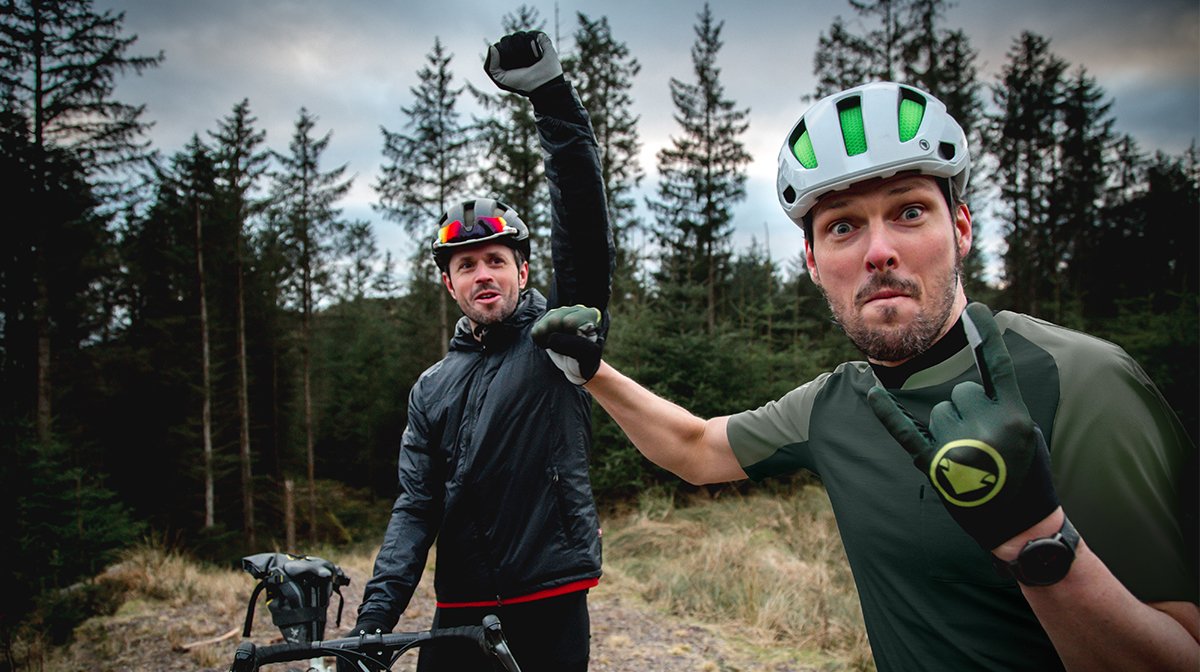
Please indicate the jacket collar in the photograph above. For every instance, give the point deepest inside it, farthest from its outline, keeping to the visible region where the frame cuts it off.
(530, 306)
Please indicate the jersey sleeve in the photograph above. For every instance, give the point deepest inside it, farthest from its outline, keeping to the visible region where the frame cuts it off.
(1118, 456)
(772, 440)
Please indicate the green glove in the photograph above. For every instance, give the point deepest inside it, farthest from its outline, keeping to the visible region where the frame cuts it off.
(982, 451)
(571, 336)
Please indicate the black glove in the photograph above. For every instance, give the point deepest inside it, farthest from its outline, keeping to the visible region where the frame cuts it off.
(571, 336)
(982, 451)
(367, 627)
(522, 62)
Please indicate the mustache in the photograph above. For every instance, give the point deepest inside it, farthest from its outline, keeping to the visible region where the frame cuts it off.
(886, 281)
(486, 288)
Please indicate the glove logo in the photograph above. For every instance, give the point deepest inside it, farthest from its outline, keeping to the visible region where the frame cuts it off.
(968, 472)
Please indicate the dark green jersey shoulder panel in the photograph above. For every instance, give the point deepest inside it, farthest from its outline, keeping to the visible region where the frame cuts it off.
(930, 597)
(1117, 453)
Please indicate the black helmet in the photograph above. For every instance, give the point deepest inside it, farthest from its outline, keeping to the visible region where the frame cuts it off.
(478, 221)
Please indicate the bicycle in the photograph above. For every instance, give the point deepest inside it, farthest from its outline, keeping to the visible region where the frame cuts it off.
(358, 650)
(298, 589)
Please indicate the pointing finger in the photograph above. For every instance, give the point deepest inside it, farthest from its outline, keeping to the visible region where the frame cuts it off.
(991, 355)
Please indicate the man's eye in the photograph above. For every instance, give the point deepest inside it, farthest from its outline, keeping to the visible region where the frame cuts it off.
(840, 228)
(912, 212)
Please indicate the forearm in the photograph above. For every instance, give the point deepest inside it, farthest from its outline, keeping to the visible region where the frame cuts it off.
(1097, 624)
(581, 238)
(690, 447)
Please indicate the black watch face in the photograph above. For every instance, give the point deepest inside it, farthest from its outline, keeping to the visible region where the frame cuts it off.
(1045, 561)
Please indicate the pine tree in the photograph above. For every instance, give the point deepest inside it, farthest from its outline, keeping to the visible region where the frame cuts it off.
(242, 165)
(196, 184)
(841, 60)
(602, 70)
(356, 272)
(165, 417)
(304, 198)
(703, 174)
(1024, 149)
(426, 170)
(885, 44)
(58, 63)
(1080, 190)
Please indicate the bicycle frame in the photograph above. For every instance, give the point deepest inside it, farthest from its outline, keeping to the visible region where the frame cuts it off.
(354, 650)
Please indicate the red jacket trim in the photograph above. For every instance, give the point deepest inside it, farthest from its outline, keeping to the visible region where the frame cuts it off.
(539, 595)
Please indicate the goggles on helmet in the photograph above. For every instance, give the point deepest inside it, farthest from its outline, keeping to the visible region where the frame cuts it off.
(484, 227)
(476, 221)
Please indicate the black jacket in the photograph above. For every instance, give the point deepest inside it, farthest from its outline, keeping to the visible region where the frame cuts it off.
(494, 460)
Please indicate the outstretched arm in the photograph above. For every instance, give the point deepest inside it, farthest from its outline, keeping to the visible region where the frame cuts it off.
(692, 448)
(581, 238)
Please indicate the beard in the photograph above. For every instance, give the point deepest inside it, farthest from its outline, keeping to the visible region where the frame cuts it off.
(493, 314)
(890, 341)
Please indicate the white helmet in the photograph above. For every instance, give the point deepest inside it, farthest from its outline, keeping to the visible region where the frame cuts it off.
(873, 130)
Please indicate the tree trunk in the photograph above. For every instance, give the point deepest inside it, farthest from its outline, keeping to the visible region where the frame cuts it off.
(308, 412)
(42, 319)
(289, 513)
(244, 406)
(206, 414)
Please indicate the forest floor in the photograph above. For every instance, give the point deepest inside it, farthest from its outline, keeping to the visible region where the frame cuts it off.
(627, 636)
(177, 615)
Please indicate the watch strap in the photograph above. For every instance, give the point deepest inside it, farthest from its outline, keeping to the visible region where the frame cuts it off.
(1067, 535)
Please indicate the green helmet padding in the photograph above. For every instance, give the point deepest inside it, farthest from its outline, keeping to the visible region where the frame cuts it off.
(853, 133)
(911, 113)
(803, 150)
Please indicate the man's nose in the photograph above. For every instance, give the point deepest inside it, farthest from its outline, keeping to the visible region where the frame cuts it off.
(881, 250)
(483, 274)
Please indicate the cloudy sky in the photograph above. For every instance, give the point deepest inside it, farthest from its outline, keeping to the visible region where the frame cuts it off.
(353, 62)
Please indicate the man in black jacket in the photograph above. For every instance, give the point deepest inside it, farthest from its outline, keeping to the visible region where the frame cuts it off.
(494, 460)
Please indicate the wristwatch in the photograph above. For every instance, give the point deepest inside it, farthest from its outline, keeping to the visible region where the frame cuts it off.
(1044, 561)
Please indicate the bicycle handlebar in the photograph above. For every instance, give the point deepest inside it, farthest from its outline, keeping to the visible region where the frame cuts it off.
(488, 636)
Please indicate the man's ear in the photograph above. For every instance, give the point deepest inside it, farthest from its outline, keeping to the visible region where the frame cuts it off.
(963, 231)
(449, 285)
(523, 274)
(811, 262)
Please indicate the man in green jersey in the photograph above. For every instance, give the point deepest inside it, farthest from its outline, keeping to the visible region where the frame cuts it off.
(1047, 524)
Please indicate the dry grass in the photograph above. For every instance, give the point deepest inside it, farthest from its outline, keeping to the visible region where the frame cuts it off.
(765, 572)
(771, 566)
(168, 601)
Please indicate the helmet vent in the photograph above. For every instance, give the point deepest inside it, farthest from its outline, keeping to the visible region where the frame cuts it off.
(851, 118)
(802, 147)
(910, 114)
(946, 150)
(789, 195)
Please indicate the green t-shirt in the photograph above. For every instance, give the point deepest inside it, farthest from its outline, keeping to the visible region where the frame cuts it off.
(930, 597)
